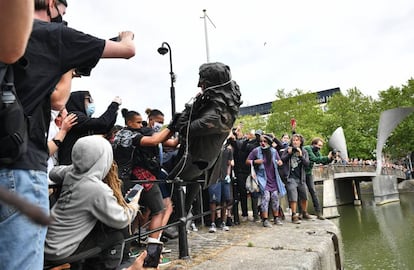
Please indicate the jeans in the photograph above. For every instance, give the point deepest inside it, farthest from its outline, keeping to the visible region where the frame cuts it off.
(22, 241)
(311, 188)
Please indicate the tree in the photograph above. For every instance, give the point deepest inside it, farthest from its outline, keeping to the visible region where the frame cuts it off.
(358, 116)
(249, 122)
(401, 141)
(303, 106)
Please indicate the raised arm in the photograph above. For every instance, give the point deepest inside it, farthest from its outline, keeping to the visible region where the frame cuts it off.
(16, 19)
(124, 48)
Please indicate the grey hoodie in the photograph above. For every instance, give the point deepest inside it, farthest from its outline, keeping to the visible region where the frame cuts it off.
(84, 199)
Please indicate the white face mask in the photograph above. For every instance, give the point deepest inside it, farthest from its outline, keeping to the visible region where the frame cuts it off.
(157, 127)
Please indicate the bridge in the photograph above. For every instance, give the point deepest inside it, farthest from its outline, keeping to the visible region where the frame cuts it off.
(341, 184)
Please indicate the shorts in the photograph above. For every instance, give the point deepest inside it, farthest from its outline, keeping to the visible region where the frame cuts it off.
(219, 192)
(166, 188)
(296, 189)
(152, 199)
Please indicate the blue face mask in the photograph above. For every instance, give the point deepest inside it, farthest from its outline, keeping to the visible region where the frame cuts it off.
(90, 109)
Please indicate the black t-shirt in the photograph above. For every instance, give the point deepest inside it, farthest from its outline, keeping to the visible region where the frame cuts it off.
(53, 49)
(296, 167)
(127, 145)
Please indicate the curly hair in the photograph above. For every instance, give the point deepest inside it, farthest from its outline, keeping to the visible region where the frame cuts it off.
(113, 181)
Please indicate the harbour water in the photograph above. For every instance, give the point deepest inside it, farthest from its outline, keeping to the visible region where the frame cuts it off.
(378, 237)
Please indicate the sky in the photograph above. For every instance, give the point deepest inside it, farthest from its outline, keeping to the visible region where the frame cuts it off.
(269, 45)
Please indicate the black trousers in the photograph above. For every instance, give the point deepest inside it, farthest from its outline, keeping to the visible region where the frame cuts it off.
(111, 242)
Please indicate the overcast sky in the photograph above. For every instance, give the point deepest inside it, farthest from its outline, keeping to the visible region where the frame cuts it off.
(269, 45)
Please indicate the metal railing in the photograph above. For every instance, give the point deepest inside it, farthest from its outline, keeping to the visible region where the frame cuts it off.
(322, 172)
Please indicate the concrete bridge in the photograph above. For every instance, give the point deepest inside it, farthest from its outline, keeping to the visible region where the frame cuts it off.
(341, 185)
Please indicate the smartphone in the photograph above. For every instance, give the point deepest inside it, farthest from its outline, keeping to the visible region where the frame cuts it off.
(153, 255)
(133, 192)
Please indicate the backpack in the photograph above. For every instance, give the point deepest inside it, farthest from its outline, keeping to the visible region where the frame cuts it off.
(124, 153)
(13, 127)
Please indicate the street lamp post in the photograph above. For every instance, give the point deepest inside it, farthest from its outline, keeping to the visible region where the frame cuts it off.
(163, 50)
(178, 188)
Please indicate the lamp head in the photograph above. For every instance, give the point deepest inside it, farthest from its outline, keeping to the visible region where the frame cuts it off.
(162, 50)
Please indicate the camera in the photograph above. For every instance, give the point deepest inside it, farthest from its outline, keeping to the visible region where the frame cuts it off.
(295, 149)
(83, 71)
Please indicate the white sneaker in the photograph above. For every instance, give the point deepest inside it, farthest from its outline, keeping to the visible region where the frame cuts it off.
(244, 219)
(224, 227)
(194, 227)
(213, 228)
(165, 250)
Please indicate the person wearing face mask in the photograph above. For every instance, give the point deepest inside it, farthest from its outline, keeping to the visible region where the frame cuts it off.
(315, 156)
(60, 6)
(52, 50)
(82, 105)
(295, 161)
(266, 160)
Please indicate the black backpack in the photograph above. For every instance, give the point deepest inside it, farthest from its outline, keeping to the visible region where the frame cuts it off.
(13, 128)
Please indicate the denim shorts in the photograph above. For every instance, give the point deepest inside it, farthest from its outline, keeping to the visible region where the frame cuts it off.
(219, 192)
(22, 241)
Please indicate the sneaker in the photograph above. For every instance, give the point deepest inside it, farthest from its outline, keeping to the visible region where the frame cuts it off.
(320, 216)
(133, 253)
(163, 238)
(244, 219)
(229, 222)
(306, 216)
(165, 250)
(194, 227)
(295, 219)
(224, 227)
(213, 228)
(256, 219)
(164, 262)
(267, 224)
(278, 221)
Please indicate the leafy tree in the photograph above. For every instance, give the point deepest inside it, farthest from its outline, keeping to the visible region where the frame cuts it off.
(300, 105)
(401, 141)
(249, 122)
(358, 116)
(356, 113)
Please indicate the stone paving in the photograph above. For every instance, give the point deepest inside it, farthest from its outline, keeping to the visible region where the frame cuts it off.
(205, 246)
(244, 245)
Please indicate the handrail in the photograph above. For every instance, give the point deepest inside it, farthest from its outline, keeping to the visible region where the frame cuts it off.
(321, 172)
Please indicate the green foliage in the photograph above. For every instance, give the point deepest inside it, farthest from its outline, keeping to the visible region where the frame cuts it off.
(356, 113)
(249, 122)
(358, 117)
(401, 141)
(303, 106)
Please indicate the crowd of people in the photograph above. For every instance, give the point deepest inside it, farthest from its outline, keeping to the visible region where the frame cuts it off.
(74, 167)
(84, 170)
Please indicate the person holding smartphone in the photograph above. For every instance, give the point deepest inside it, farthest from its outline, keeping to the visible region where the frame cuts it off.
(90, 211)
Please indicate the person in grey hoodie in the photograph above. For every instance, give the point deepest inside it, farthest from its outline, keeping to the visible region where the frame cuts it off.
(88, 213)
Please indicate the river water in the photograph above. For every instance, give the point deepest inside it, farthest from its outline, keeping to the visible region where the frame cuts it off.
(378, 237)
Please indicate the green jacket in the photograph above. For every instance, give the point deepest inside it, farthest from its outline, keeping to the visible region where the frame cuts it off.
(315, 158)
